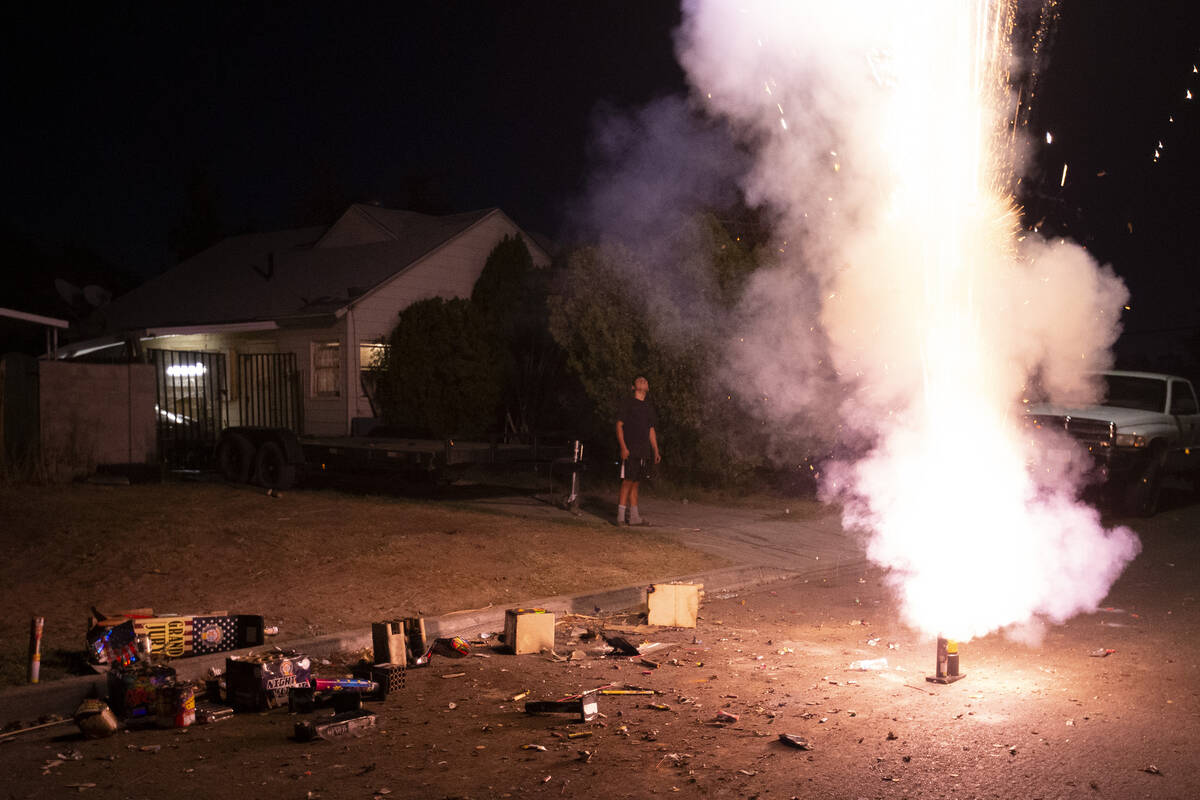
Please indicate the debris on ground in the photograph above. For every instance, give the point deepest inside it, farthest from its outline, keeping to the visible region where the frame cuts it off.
(792, 740)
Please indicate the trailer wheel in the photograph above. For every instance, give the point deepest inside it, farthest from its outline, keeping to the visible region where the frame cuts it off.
(271, 468)
(235, 458)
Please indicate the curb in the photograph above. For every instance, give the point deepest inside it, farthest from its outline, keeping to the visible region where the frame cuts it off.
(27, 703)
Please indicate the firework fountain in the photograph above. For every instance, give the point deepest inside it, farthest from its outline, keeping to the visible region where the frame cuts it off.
(888, 140)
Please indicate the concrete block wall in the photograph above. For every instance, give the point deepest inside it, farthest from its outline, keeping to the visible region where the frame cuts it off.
(94, 414)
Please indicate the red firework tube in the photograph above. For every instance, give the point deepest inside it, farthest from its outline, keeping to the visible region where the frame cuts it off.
(35, 648)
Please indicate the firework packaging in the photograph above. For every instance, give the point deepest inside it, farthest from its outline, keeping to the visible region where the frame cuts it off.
(339, 726)
(173, 636)
(176, 705)
(455, 647)
(133, 690)
(95, 719)
(673, 604)
(260, 681)
(528, 630)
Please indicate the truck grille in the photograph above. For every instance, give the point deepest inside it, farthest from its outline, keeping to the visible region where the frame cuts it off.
(1089, 431)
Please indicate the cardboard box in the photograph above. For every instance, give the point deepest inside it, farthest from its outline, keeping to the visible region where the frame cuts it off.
(673, 605)
(388, 642)
(528, 630)
(195, 635)
(259, 682)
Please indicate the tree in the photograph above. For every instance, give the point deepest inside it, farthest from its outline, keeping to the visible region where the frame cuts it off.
(441, 375)
(616, 318)
(510, 295)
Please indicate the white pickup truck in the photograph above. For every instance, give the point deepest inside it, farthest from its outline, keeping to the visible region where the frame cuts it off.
(1148, 427)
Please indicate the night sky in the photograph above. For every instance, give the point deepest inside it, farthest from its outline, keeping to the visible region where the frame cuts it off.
(116, 109)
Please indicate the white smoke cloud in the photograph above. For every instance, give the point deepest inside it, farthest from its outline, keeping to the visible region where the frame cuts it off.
(901, 269)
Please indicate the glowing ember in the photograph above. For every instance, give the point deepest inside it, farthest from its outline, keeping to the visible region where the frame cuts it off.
(934, 310)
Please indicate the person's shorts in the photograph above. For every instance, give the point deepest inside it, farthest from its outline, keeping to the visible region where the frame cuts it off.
(636, 469)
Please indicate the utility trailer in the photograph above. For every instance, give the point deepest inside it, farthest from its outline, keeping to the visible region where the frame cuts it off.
(276, 458)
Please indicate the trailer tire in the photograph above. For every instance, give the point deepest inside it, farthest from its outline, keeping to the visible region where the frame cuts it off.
(235, 458)
(271, 467)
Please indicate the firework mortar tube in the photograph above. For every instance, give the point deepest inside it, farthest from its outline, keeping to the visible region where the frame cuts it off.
(35, 648)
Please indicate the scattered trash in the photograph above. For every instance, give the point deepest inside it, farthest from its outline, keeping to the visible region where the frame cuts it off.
(869, 664)
(792, 740)
(725, 716)
(528, 630)
(874, 642)
(621, 645)
(585, 756)
(579, 735)
(455, 647)
(539, 747)
(586, 707)
(339, 726)
(454, 674)
(271, 630)
(519, 696)
(260, 681)
(95, 719)
(208, 713)
(1103, 652)
(658, 706)
(673, 604)
(1153, 770)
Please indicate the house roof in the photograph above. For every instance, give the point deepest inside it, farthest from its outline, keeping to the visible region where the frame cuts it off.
(288, 274)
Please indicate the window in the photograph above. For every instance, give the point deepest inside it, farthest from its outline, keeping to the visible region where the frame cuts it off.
(1182, 399)
(370, 361)
(327, 369)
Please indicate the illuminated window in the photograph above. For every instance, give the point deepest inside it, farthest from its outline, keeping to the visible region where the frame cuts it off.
(327, 369)
(370, 362)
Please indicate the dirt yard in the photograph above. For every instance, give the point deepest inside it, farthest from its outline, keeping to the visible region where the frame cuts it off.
(310, 562)
(1051, 721)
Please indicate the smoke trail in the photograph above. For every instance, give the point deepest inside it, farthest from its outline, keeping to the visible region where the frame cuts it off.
(886, 142)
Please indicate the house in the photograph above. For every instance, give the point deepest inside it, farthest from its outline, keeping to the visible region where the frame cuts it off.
(278, 328)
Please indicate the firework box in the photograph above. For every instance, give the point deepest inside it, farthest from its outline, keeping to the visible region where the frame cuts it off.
(133, 690)
(259, 682)
(196, 634)
(673, 605)
(174, 636)
(528, 630)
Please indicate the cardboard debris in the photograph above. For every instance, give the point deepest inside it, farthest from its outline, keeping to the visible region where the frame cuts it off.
(673, 605)
(528, 630)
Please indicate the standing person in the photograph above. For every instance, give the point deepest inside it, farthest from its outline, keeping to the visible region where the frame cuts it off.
(639, 444)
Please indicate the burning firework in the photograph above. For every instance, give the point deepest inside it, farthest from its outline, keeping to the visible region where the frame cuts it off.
(889, 139)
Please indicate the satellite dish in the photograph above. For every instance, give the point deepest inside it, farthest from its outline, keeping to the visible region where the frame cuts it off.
(96, 295)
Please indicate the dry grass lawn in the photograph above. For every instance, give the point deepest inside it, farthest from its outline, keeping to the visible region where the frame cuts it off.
(311, 562)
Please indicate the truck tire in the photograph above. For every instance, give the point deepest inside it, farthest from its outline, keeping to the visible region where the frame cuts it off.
(235, 458)
(271, 468)
(1142, 496)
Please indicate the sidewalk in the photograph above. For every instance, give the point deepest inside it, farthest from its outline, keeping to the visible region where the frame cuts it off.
(764, 546)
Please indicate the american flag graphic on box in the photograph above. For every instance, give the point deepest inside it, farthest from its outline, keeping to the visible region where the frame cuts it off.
(175, 637)
(213, 634)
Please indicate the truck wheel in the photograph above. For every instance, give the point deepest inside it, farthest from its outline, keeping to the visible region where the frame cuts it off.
(1142, 496)
(235, 457)
(271, 468)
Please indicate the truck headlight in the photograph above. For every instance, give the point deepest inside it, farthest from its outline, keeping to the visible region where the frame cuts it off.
(1130, 440)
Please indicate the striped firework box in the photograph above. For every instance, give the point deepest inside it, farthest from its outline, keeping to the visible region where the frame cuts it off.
(183, 636)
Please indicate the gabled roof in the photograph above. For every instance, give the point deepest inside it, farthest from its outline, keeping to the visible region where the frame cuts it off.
(288, 274)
